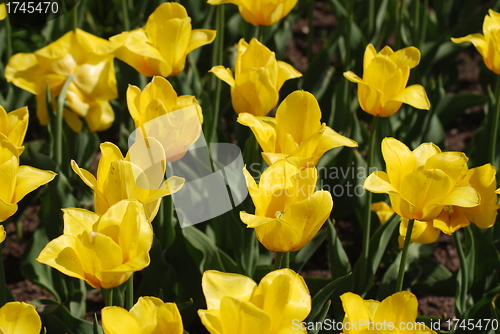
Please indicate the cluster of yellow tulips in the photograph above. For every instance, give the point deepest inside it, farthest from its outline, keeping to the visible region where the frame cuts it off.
(432, 191)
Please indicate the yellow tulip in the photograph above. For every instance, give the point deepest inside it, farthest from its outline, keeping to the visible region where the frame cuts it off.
(175, 121)
(382, 90)
(132, 177)
(16, 181)
(14, 125)
(288, 210)
(149, 315)
(17, 317)
(394, 315)
(3, 11)
(104, 250)
(260, 12)
(161, 47)
(487, 44)
(383, 211)
(85, 57)
(423, 182)
(235, 304)
(257, 79)
(3, 234)
(296, 133)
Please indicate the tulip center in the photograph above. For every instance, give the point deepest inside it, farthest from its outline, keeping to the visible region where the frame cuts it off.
(279, 214)
(448, 208)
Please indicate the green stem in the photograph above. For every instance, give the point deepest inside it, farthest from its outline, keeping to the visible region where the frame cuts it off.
(260, 34)
(494, 125)
(402, 264)
(371, 16)
(218, 57)
(59, 127)
(310, 34)
(350, 18)
(463, 270)
(399, 27)
(74, 16)
(108, 296)
(368, 202)
(126, 21)
(129, 295)
(8, 32)
(3, 283)
(282, 260)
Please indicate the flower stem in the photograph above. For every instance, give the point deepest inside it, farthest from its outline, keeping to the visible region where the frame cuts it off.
(59, 127)
(494, 125)
(218, 57)
(74, 16)
(126, 21)
(281, 260)
(399, 28)
(310, 33)
(108, 296)
(8, 37)
(463, 270)
(402, 264)
(3, 283)
(368, 202)
(129, 295)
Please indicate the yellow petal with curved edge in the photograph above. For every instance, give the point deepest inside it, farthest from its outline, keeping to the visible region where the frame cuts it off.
(133, 103)
(278, 235)
(477, 40)
(424, 152)
(116, 320)
(6, 210)
(383, 210)
(3, 11)
(415, 96)
(8, 171)
(254, 92)
(400, 309)
(158, 89)
(211, 320)
(409, 56)
(378, 182)
(427, 190)
(17, 317)
(284, 296)
(263, 128)
(242, 317)
(379, 73)
(254, 191)
(355, 312)
(3, 234)
(299, 107)
(286, 72)
(400, 161)
(78, 220)
(145, 312)
(200, 37)
(452, 163)
(465, 196)
(61, 254)
(110, 153)
(450, 220)
(17, 122)
(331, 139)
(29, 179)
(422, 232)
(169, 319)
(23, 71)
(84, 175)
(368, 56)
(224, 74)
(216, 285)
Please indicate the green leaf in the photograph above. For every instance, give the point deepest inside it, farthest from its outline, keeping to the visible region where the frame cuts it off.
(337, 257)
(323, 295)
(58, 320)
(303, 255)
(95, 326)
(321, 317)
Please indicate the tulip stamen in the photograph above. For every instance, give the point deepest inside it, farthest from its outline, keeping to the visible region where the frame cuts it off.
(279, 214)
(448, 208)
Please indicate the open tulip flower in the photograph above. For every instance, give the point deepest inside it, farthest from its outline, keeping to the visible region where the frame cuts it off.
(394, 315)
(288, 210)
(134, 177)
(17, 317)
(257, 79)
(487, 44)
(149, 315)
(16, 181)
(175, 121)
(85, 57)
(423, 182)
(3, 11)
(235, 304)
(260, 12)
(161, 47)
(104, 250)
(382, 90)
(14, 125)
(296, 133)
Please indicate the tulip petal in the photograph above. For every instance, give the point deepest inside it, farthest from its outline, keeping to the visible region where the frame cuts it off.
(200, 37)
(378, 182)
(355, 312)
(263, 128)
(17, 317)
(17, 122)
(400, 161)
(224, 74)
(84, 175)
(424, 152)
(217, 285)
(451, 220)
(29, 179)
(169, 319)
(254, 92)
(423, 232)
(415, 96)
(399, 309)
(243, 317)
(211, 320)
(409, 56)
(370, 53)
(23, 71)
(6, 210)
(116, 320)
(61, 254)
(286, 72)
(477, 40)
(454, 164)
(78, 220)
(465, 196)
